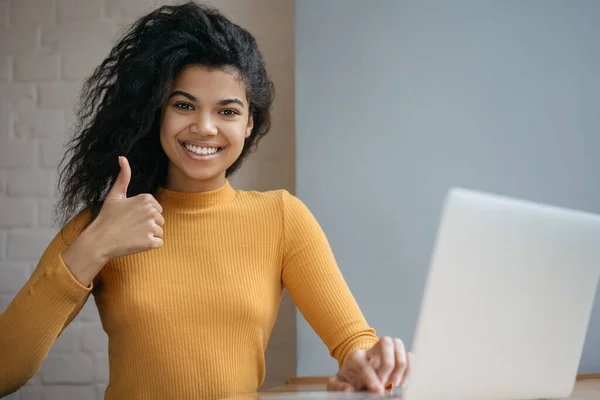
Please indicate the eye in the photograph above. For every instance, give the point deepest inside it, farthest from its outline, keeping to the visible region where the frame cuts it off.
(229, 112)
(184, 106)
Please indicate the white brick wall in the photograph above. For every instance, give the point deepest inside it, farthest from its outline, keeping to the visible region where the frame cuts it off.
(2, 181)
(50, 152)
(17, 154)
(4, 12)
(28, 244)
(17, 212)
(30, 182)
(40, 123)
(59, 392)
(44, 54)
(5, 69)
(14, 275)
(17, 93)
(68, 341)
(19, 38)
(80, 10)
(94, 339)
(68, 368)
(33, 67)
(2, 249)
(6, 122)
(31, 11)
(47, 47)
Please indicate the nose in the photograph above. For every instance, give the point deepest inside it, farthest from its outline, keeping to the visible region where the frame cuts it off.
(204, 126)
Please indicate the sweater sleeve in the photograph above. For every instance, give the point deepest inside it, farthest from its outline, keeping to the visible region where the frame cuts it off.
(316, 285)
(47, 303)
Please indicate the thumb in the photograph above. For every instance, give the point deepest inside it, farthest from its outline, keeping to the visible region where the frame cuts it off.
(119, 189)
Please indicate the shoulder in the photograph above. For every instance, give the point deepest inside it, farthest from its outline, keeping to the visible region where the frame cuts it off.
(280, 198)
(299, 225)
(290, 210)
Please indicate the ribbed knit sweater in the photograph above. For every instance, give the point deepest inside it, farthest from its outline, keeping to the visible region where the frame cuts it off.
(192, 319)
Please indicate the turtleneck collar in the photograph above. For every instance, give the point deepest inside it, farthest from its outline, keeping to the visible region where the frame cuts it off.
(194, 201)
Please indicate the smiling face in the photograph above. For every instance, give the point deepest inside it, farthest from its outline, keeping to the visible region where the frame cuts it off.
(204, 124)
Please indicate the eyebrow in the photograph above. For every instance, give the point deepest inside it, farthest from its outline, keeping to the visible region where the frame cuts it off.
(222, 102)
(184, 94)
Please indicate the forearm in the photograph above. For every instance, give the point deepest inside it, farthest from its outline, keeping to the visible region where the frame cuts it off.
(327, 304)
(37, 315)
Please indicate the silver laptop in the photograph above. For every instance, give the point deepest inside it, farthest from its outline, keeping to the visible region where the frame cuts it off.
(507, 302)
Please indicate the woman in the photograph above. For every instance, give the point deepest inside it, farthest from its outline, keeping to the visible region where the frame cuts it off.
(187, 273)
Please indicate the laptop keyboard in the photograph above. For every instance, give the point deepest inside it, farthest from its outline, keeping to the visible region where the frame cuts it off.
(332, 396)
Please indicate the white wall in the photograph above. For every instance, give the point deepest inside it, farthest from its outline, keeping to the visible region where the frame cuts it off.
(399, 100)
(47, 47)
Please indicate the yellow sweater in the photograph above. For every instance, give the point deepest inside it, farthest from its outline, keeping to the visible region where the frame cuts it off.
(191, 319)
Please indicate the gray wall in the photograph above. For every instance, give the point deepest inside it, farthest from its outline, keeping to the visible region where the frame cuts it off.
(397, 101)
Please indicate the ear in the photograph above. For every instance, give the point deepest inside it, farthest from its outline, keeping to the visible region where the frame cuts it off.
(249, 127)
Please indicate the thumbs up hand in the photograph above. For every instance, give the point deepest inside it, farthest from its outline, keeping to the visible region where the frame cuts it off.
(119, 189)
(125, 225)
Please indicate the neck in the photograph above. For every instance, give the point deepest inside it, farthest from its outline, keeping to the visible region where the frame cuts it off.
(177, 183)
(182, 200)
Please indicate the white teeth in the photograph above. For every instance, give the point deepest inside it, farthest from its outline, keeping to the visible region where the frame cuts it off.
(201, 150)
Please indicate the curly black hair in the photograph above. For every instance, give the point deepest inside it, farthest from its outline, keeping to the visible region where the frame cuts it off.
(120, 107)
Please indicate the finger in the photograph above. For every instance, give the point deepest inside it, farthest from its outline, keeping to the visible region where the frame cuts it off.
(147, 198)
(352, 377)
(406, 375)
(159, 219)
(158, 231)
(156, 204)
(387, 358)
(400, 361)
(368, 375)
(157, 243)
(336, 385)
(119, 188)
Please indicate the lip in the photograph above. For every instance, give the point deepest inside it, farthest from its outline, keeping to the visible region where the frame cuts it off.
(201, 144)
(198, 157)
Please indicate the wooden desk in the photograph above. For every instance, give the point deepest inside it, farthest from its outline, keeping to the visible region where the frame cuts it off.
(585, 389)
